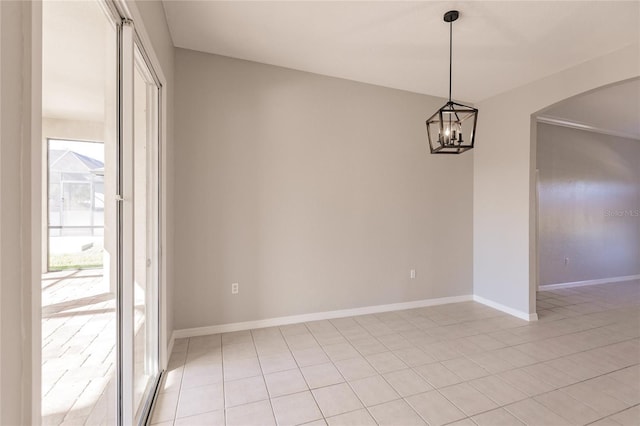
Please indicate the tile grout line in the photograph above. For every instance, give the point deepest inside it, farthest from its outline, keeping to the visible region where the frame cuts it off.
(264, 380)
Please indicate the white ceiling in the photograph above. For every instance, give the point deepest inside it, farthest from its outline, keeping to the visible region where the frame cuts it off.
(74, 59)
(614, 109)
(404, 45)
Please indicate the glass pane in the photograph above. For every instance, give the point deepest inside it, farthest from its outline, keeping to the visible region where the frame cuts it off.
(79, 328)
(76, 204)
(145, 235)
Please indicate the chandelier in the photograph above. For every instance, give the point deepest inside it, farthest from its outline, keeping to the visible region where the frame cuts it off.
(452, 129)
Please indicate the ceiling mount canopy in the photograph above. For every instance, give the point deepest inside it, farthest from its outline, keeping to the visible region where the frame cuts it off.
(452, 129)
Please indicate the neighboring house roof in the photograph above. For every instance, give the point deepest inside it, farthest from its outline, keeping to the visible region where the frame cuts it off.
(71, 161)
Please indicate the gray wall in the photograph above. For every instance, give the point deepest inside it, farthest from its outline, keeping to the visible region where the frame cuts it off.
(589, 205)
(504, 216)
(313, 193)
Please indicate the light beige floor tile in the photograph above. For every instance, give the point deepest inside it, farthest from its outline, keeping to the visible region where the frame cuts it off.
(266, 334)
(355, 368)
(594, 345)
(212, 418)
(468, 399)
(354, 418)
(241, 368)
(336, 399)
(165, 407)
(532, 413)
(320, 422)
(498, 417)
(238, 351)
(407, 382)
(329, 338)
(200, 377)
(565, 406)
(385, 362)
(413, 357)
(442, 351)
(486, 342)
(497, 390)
(434, 408)
(601, 402)
(616, 389)
(199, 343)
(244, 391)
(172, 380)
(204, 357)
(301, 341)
(549, 374)
(463, 422)
(236, 337)
(465, 368)
(607, 421)
(321, 375)
(515, 357)
(395, 413)
(293, 329)
(489, 362)
(340, 351)
(368, 346)
(629, 417)
(525, 382)
(295, 409)
(394, 341)
(373, 390)
(437, 375)
(277, 362)
(285, 382)
(310, 356)
(200, 400)
(254, 414)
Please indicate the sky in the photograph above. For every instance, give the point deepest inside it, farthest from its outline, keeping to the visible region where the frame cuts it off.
(90, 149)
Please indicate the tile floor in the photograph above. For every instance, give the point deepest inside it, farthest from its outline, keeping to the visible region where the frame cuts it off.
(78, 347)
(461, 364)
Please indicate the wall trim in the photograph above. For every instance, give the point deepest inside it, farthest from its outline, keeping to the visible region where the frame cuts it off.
(589, 282)
(546, 119)
(316, 316)
(516, 313)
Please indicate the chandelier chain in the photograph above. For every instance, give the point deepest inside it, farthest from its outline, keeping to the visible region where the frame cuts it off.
(450, 56)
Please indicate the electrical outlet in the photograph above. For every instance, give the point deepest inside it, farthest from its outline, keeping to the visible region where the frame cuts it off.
(234, 288)
(412, 274)
(566, 261)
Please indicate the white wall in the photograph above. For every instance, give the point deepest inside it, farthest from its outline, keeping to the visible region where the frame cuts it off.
(313, 193)
(15, 214)
(589, 205)
(504, 176)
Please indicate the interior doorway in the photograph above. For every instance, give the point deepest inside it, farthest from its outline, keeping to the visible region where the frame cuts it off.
(588, 195)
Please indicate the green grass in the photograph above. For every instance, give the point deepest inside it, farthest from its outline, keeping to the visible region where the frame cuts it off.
(89, 259)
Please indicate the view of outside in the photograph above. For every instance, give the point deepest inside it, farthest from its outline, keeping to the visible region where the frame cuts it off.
(76, 204)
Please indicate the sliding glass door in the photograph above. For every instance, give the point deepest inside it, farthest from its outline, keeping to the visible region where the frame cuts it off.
(101, 128)
(139, 228)
(145, 183)
(79, 257)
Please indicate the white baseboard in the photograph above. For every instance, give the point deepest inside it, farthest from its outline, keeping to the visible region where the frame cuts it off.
(516, 313)
(294, 319)
(588, 282)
